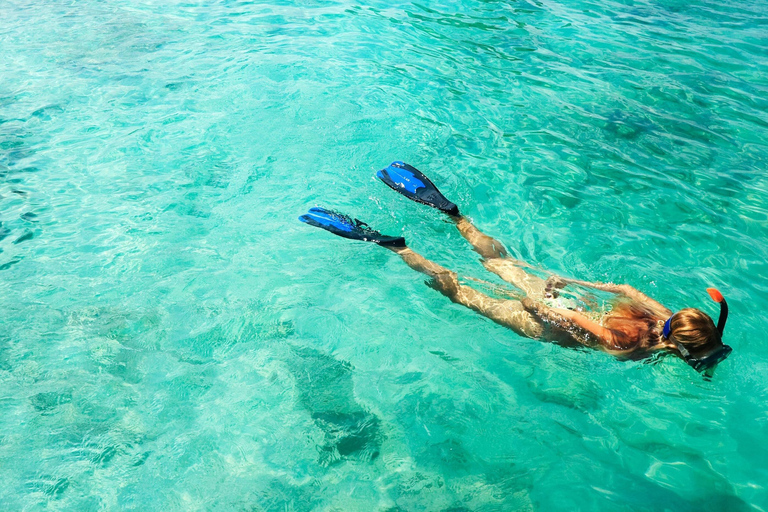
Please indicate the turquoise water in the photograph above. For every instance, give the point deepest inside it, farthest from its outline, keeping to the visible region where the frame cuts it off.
(172, 338)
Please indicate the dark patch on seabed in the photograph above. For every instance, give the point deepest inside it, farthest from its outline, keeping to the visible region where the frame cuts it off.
(628, 126)
(326, 390)
(49, 485)
(45, 403)
(5, 363)
(18, 147)
(279, 496)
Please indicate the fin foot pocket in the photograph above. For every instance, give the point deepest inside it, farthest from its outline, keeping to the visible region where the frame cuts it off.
(410, 182)
(347, 227)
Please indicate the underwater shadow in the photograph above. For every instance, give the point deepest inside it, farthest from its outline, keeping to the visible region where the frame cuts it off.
(326, 391)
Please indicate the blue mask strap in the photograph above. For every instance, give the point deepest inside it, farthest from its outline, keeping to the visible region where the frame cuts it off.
(667, 327)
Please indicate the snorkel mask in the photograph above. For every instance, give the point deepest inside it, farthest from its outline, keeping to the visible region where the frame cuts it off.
(711, 359)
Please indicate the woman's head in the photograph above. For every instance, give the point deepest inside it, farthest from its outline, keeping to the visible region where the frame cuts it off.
(694, 330)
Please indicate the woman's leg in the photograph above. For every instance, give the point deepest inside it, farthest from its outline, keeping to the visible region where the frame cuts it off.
(497, 260)
(509, 313)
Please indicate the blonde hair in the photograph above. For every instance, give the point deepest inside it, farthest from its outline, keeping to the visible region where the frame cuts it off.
(693, 329)
(632, 322)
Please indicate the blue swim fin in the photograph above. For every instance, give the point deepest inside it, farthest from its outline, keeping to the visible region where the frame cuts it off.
(407, 180)
(348, 227)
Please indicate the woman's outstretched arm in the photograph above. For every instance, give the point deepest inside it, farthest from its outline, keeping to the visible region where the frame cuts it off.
(619, 289)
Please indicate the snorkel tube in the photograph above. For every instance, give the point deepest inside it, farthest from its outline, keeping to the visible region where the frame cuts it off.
(711, 359)
(718, 297)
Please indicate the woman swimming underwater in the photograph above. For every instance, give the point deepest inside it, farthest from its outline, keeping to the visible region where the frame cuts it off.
(635, 327)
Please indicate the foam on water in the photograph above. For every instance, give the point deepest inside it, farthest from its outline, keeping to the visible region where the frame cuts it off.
(172, 338)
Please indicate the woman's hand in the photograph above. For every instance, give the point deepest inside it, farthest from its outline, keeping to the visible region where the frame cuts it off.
(552, 285)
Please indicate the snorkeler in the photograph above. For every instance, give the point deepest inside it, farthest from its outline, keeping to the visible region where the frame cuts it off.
(635, 327)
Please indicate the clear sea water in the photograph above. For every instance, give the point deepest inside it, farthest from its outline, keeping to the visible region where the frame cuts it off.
(172, 338)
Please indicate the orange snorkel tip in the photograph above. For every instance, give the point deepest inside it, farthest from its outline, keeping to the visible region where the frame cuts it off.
(715, 294)
(718, 297)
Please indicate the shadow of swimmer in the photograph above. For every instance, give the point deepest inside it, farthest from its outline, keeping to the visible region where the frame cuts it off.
(326, 390)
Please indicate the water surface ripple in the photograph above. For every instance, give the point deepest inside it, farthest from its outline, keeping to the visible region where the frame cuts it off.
(171, 338)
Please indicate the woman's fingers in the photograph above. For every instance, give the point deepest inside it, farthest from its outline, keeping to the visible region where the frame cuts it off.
(552, 285)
